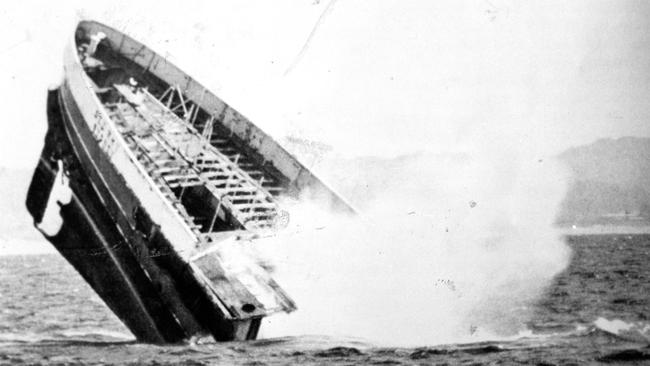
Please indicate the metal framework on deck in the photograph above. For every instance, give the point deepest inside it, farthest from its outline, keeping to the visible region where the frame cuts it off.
(180, 158)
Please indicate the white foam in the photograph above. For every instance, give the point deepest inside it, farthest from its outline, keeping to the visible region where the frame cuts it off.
(636, 331)
(450, 251)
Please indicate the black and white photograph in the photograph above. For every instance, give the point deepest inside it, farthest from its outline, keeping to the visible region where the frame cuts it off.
(325, 182)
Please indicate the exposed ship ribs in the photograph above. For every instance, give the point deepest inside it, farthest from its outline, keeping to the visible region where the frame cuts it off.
(177, 155)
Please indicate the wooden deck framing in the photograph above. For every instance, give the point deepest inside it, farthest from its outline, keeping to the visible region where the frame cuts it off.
(177, 155)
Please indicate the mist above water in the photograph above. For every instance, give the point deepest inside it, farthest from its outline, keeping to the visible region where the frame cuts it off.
(446, 248)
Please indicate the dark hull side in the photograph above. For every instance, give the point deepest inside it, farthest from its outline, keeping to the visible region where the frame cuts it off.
(125, 260)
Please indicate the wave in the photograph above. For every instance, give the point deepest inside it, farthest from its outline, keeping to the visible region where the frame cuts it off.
(76, 336)
(630, 331)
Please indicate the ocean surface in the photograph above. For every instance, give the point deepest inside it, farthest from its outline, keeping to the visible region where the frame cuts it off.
(596, 312)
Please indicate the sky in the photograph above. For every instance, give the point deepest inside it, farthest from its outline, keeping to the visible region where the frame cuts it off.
(375, 78)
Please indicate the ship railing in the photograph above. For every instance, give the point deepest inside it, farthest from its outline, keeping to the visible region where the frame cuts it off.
(141, 152)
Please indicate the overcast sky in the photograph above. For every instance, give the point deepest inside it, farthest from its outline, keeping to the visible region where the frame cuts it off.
(377, 77)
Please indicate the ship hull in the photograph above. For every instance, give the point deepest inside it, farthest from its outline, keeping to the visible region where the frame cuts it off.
(153, 213)
(128, 265)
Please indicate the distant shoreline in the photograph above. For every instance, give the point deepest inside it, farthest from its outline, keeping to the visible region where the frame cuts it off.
(605, 230)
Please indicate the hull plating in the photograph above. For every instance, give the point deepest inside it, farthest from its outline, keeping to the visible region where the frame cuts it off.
(126, 260)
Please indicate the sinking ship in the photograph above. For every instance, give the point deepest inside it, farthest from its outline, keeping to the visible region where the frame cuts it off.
(149, 183)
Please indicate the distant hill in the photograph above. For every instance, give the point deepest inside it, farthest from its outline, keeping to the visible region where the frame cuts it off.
(610, 183)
